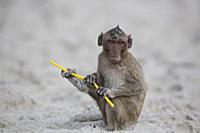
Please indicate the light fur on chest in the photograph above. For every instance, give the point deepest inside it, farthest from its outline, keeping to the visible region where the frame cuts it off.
(114, 78)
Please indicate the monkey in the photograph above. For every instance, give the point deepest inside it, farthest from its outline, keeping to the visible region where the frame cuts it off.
(119, 76)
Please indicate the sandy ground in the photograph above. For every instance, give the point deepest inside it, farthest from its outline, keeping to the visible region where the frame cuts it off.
(35, 99)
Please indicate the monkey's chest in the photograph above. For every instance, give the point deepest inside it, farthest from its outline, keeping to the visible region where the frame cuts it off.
(113, 78)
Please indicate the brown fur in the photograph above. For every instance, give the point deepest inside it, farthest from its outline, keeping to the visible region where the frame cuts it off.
(127, 89)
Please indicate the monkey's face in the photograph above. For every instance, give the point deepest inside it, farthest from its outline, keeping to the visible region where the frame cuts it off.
(114, 43)
(114, 49)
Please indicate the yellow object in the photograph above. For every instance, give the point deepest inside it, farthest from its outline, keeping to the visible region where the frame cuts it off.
(81, 78)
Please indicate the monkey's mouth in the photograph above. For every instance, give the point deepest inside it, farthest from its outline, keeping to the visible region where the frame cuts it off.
(115, 59)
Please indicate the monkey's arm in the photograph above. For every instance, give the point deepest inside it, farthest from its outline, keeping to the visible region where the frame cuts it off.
(89, 80)
(79, 84)
(134, 86)
(128, 89)
(92, 92)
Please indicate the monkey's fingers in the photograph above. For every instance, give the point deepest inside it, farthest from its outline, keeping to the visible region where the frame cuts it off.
(105, 97)
(101, 91)
(67, 74)
(90, 79)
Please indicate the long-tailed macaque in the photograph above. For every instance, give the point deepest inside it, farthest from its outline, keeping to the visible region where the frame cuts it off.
(120, 77)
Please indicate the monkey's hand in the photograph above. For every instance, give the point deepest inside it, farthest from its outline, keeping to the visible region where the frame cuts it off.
(94, 77)
(102, 91)
(68, 73)
(79, 84)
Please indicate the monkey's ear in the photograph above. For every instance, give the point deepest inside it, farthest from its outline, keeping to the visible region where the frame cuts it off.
(100, 39)
(129, 41)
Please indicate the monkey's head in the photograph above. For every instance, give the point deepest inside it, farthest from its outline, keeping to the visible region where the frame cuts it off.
(115, 42)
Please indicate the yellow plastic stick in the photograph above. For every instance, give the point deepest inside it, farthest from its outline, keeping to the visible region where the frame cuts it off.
(81, 78)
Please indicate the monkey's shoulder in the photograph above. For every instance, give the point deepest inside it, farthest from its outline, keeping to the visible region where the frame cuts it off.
(134, 69)
(130, 61)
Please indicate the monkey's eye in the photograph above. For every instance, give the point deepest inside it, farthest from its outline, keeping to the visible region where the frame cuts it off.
(121, 42)
(110, 42)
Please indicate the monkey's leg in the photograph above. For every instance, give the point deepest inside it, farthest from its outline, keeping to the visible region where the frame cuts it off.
(111, 118)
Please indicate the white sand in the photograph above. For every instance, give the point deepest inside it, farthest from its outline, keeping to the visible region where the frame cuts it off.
(33, 96)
